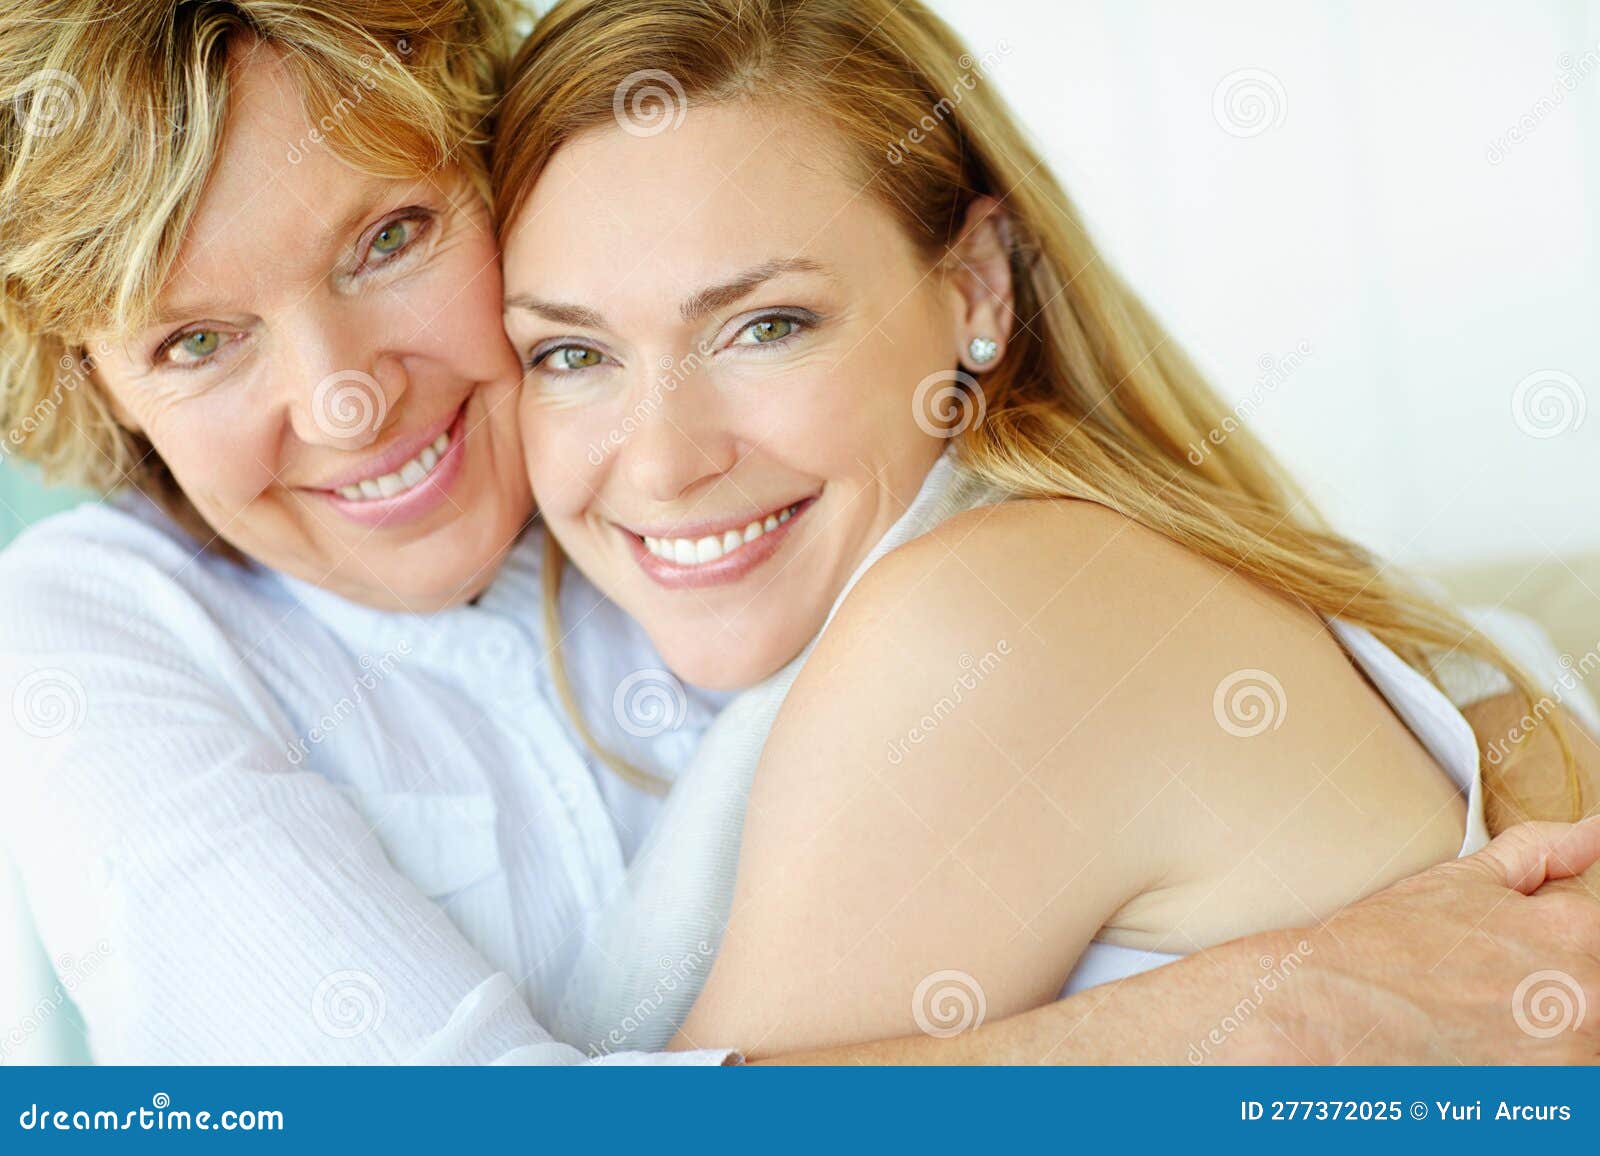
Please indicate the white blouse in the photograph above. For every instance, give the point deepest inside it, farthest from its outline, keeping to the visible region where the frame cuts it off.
(291, 829)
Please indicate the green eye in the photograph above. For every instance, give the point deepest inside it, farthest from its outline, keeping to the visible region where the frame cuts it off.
(572, 357)
(200, 344)
(391, 238)
(770, 329)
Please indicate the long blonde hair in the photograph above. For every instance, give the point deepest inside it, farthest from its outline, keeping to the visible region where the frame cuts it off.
(1093, 400)
(111, 119)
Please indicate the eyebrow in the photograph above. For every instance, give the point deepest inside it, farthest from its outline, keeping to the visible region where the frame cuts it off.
(369, 196)
(697, 305)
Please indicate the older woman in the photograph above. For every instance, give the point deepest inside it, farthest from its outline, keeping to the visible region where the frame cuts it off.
(280, 747)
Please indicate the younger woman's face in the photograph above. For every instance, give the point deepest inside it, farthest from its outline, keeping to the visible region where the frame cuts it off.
(723, 336)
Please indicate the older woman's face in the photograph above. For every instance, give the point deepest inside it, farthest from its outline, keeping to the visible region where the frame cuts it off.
(724, 339)
(329, 381)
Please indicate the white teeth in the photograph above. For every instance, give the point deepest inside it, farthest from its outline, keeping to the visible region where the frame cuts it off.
(408, 475)
(698, 551)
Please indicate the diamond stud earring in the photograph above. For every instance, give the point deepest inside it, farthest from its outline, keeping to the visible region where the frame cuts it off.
(982, 350)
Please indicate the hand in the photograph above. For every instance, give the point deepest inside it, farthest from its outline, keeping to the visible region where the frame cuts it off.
(1477, 961)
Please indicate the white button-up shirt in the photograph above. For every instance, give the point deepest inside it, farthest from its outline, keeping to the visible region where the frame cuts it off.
(288, 828)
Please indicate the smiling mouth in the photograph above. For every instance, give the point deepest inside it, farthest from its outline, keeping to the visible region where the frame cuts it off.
(397, 482)
(690, 552)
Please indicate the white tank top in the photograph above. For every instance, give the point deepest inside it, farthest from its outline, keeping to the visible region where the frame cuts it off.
(1432, 717)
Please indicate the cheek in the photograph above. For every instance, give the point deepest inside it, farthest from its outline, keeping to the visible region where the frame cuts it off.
(565, 463)
(222, 451)
(463, 304)
(840, 418)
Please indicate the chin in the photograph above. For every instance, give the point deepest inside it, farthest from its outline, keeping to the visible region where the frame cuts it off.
(430, 591)
(450, 590)
(715, 668)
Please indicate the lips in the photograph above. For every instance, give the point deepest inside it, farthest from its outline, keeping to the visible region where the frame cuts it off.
(395, 457)
(710, 547)
(399, 481)
(714, 555)
(407, 487)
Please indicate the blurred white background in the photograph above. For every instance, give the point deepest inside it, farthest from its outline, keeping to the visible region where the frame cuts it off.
(1271, 173)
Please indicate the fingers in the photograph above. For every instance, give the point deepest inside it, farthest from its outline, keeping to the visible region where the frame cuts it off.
(1526, 856)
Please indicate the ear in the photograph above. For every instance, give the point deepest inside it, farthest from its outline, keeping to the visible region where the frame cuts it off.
(978, 280)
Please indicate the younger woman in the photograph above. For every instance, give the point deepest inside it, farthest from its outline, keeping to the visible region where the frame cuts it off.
(1087, 705)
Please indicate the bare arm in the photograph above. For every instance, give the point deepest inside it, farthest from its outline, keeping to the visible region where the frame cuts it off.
(1354, 983)
(1369, 977)
(1423, 972)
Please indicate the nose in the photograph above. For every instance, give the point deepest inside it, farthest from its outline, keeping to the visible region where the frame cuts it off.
(343, 385)
(682, 436)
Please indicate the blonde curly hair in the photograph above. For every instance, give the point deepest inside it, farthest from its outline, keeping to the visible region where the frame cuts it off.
(110, 122)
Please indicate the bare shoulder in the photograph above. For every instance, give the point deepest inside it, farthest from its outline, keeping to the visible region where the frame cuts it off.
(1160, 696)
(1062, 571)
(1038, 725)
